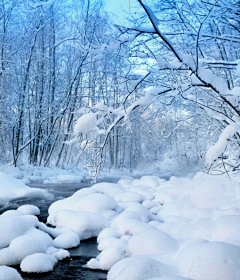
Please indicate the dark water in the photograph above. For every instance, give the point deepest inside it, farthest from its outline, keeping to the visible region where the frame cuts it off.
(71, 268)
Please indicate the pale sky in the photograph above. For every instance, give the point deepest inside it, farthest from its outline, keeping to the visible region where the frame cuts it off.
(117, 8)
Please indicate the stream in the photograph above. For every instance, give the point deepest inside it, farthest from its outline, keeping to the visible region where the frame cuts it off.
(66, 269)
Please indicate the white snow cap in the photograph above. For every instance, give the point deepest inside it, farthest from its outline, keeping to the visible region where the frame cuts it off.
(11, 188)
(38, 263)
(85, 124)
(9, 273)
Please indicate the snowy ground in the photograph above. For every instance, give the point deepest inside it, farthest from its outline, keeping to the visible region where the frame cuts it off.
(146, 228)
(30, 174)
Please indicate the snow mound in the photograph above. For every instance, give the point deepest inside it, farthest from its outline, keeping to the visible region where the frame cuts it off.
(11, 188)
(110, 189)
(108, 232)
(95, 202)
(20, 248)
(64, 179)
(67, 240)
(149, 228)
(9, 273)
(86, 224)
(209, 261)
(29, 210)
(226, 229)
(38, 263)
(117, 251)
(210, 191)
(139, 268)
(13, 227)
(59, 254)
(22, 235)
(129, 197)
(152, 241)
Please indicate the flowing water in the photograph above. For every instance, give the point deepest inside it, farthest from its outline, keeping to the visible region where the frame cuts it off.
(68, 269)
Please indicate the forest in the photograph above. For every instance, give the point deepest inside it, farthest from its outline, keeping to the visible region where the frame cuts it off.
(64, 59)
(120, 139)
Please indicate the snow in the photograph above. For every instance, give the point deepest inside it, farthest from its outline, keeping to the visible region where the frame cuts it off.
(86, 224)
(238, 69)
(146, 228)
(139, 268)
(152, 241)
(20, 248)
(129, 197)
(38, 263)
(94, 202)
(9, 273)
(29, 210)
(14, 226)
(209, 261)
(59, 254)
(67, 240)
(64, 179)
(23, 238)
(28, 174)
(218, 148)
(12, 188)
(85, 124)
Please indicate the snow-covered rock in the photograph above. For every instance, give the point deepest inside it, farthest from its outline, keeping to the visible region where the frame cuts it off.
(67, 240)
(38, 263)
(86, 224)
(209, 261)
(9, 273)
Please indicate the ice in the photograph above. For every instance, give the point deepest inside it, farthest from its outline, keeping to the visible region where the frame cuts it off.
(38, 263)
(11, 188)
(9, 273)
